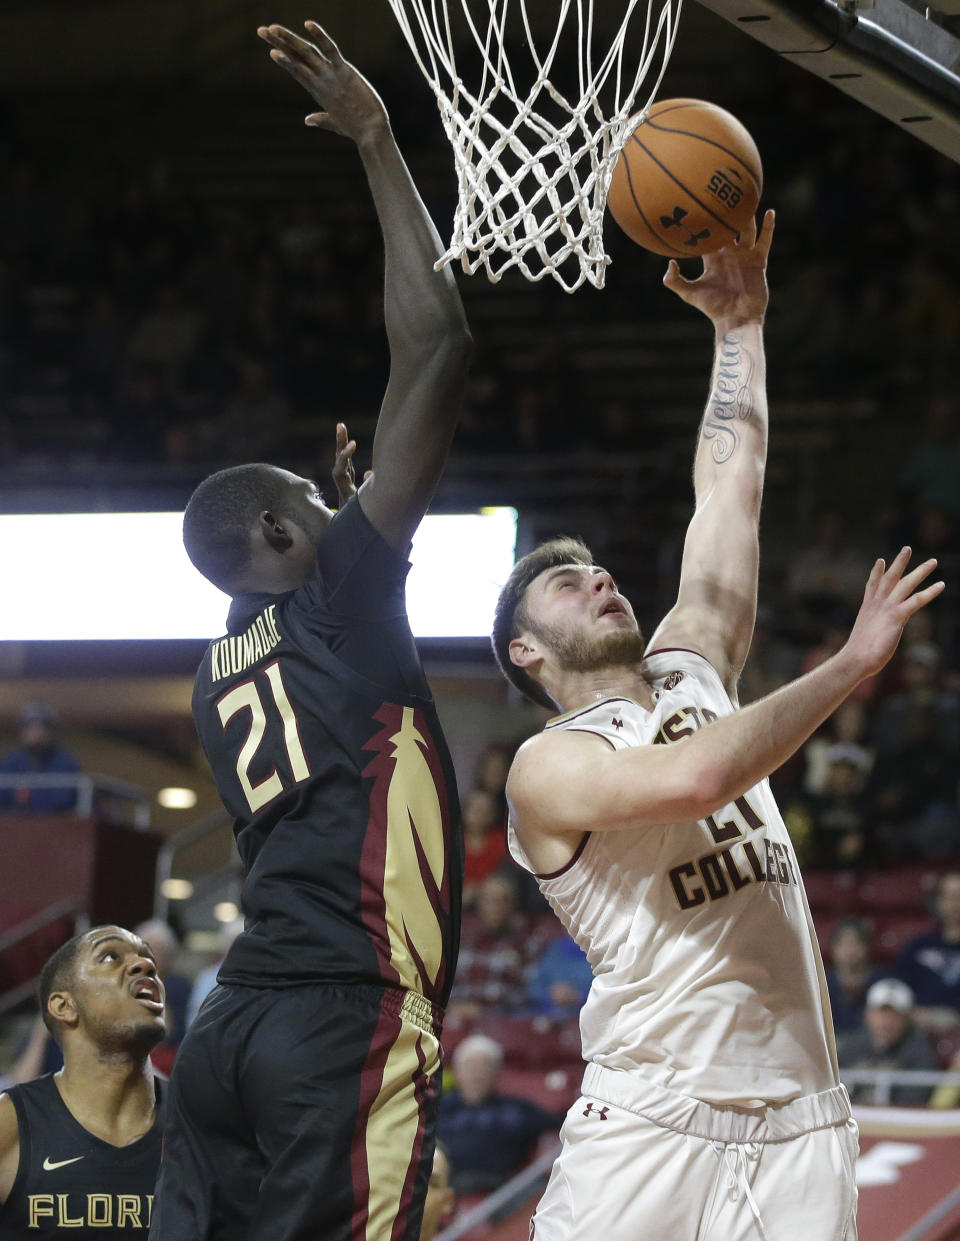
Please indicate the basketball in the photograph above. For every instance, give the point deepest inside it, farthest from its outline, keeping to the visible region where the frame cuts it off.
(687, 181)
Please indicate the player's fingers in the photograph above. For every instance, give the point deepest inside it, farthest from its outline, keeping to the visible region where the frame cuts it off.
(294, 44)
(341, 435)
(748, 235)
(923, 597)
(765, 235)
(910, 581)
(322, 40)
(876, 573)
(672, 278)
(893, 572)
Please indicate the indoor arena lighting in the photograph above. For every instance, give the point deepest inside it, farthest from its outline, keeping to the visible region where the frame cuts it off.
(177, 889)
(126, 576)
(173, 798)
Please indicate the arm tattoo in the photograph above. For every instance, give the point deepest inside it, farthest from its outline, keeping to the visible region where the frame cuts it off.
(731, 400)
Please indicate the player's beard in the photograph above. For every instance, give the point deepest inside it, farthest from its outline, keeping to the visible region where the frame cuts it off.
(576, 652)
(120, 1039)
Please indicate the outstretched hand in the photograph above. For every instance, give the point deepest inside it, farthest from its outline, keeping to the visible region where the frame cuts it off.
(344, 474)
(892, 596)
(733, 287)
(351, 106)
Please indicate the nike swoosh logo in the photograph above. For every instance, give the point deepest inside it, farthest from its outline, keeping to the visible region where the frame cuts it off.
(50, 1166)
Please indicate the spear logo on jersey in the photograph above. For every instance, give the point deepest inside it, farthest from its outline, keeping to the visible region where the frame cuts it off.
(673, 680)
(415, 849)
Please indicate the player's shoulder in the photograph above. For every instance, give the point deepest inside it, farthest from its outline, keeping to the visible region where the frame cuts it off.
(667, 665)
(9, 1125)
(547, 756)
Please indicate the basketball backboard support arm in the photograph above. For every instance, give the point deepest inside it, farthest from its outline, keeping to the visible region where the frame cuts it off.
(889, 57)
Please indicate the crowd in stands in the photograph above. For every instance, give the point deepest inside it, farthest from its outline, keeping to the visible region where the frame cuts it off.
(145, 318)
(143, 325)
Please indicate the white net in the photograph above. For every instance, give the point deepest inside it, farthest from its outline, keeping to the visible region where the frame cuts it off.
(534, 158)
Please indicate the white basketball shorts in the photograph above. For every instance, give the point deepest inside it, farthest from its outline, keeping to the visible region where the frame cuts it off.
(639, 1161)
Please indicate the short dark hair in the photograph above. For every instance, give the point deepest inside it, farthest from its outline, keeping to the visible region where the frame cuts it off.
(221, 514)
(510, 617)
(56, 975)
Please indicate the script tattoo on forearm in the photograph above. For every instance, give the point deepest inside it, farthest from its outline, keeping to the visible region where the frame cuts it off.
(730, 401)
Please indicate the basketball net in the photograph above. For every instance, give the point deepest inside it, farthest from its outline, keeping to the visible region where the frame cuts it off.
(533, 164)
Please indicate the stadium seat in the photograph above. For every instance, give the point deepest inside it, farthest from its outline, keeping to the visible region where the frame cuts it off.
(901, 891)
(552, 1089)
(532, 1041)
(831, 892)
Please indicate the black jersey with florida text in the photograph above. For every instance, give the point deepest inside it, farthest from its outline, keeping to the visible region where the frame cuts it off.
(70, 1183)
(317, 721)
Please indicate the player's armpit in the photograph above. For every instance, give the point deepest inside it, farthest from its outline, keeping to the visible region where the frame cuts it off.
(9, 1146)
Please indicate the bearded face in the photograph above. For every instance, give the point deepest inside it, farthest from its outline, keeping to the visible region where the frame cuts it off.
(576, 651)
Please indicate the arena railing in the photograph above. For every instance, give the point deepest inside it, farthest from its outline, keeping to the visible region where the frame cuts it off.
(92, 788)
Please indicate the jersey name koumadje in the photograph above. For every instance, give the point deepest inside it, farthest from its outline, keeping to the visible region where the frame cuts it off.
(708, 978)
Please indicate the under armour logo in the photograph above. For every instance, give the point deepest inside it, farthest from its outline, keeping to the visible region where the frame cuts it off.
(617, 723)
(676, 221)
(602, 1111)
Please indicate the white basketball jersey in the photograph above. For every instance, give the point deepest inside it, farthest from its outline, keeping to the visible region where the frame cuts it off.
(707, 975)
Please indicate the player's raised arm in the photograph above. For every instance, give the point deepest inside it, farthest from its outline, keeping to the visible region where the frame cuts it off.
(429, 341)
(716, 606)
(561, 781)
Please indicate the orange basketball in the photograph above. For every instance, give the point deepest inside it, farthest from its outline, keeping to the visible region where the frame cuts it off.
(687, 180)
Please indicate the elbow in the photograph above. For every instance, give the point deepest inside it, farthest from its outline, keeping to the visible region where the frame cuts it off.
(701, 788)
(451, 351)
(446, 346)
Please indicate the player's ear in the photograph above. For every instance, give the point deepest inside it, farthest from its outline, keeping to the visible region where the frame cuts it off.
(275, 532)
(523, 651)
(61, 1007)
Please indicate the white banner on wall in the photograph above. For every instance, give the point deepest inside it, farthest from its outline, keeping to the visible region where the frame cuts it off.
(74, 576)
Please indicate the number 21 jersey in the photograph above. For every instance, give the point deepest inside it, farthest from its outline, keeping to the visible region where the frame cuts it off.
(317, 721)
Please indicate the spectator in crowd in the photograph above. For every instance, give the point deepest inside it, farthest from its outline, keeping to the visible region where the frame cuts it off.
(39, 754)
(206, 980)
(561, 979)
(890, 1039)
(498, 946)
(493, 765)
(163, 944)
(439, 1203)
(850, 974)
(832, 828)
(484, 839)
(922, 685)
(30, 1057)
(913, 790)
(930, 962)
(847, 727)
(489, 1136)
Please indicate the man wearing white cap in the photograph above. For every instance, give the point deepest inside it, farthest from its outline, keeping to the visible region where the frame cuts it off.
(890, 1040)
